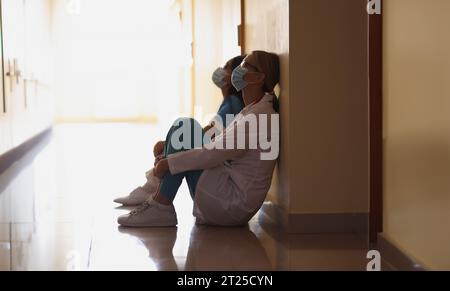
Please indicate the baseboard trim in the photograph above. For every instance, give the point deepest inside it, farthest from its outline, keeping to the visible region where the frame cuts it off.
(395, 257)
(15, 154)
(315, 223)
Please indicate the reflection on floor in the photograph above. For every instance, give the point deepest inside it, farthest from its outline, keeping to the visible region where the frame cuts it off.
(56, 213)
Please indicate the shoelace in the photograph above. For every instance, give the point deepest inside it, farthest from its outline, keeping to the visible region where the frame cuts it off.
(141, 208)
(144, 205)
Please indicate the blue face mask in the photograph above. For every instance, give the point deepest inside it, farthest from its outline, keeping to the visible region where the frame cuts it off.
(219, 76)
(237, 78)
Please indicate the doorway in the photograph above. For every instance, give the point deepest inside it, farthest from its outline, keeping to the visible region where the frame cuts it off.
(120, 60)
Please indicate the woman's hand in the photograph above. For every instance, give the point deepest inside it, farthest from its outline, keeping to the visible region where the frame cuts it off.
(161, 168)
(208, 127)
(158, 159)
(159, 148)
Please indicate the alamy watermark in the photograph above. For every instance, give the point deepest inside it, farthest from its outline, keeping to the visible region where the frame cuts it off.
(374, 7)
(374, 264)
(73, 261)
(73, 7)
(249, 132)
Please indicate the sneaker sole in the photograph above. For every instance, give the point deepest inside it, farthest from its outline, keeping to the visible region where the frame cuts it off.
(148, 225)
(129, 204)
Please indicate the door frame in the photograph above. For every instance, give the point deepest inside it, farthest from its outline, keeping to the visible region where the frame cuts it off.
(242, 28)
(2, 64)
(375, 43)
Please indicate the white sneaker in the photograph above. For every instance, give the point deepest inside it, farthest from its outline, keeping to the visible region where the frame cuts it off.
(141, 194)
(150, 214)
(137, 197)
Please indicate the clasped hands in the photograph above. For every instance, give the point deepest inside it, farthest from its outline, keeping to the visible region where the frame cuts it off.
(161, 163)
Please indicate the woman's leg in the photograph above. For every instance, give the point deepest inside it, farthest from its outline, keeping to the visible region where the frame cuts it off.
(171, 183)
(160, 212)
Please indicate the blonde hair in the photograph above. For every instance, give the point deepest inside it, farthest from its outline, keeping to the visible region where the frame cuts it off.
(269, 64)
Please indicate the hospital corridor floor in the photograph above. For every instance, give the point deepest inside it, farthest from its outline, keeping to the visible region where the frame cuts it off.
(56, 213)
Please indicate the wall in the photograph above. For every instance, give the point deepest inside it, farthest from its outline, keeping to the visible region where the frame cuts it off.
(323, 167)
(267, 28)
(329, 105)
(417, 126)
(26, 49)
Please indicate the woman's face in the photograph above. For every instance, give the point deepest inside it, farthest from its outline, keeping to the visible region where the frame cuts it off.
(254, 77)
(227, 89)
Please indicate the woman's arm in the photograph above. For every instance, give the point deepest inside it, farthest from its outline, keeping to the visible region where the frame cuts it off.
(227, 146)
(210, 156)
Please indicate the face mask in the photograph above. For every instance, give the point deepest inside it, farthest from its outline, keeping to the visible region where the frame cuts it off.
(237, 78)
(219, 76)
